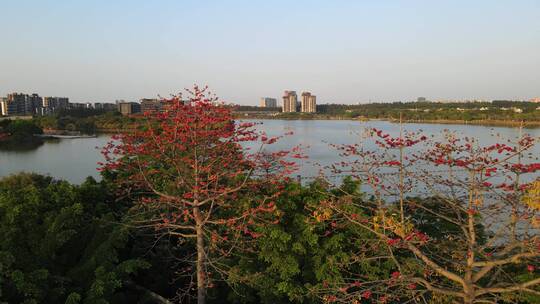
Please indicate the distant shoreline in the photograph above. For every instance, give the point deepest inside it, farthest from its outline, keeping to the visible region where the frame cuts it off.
(495, 123)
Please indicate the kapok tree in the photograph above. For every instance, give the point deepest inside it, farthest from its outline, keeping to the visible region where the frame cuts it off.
(460, 221)
(195, 175)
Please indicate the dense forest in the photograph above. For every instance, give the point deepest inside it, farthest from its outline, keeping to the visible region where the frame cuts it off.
(184, 214)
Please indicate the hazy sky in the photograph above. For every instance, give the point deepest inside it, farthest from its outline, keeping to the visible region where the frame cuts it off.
(342, 51)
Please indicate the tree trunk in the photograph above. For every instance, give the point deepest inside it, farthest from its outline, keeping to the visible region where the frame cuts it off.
(469, 293)
(201, 271)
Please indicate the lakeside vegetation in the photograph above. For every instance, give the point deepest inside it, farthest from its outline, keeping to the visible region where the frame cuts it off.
(498, 112)
(19, 134)
(87, 121)
(184, 214)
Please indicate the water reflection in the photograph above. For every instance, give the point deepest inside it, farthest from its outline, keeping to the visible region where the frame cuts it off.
(21, 147)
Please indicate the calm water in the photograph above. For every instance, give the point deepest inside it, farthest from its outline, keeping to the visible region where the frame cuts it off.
(75, 159)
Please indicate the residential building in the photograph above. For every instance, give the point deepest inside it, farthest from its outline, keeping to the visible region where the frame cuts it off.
(129, 108)
(267, 102)
(536, 99)
(290, 101)
(21, 104)
(80, 105)
(105, 106)
(15, 104)
(309, 103)
(3, 106)
(152, 105)
(421, 99)
(54, 104)
(33, 104)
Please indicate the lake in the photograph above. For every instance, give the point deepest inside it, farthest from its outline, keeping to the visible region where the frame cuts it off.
(75, 159)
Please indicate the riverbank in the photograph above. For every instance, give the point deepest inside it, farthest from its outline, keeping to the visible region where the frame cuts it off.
(487, 123)
(59, 136)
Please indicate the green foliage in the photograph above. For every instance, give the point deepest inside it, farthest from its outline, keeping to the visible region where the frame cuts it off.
(488, 112)
(19, 134)
(299, 255)
(71, 244)
(23, 128)
(60, 242)
(497, 110)
(87, 121)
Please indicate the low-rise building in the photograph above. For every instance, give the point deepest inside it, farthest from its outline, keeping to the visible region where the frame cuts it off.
(268, 102)
(3, 106)
(152, 105)
(129, 108)
(106, 106)
(80, 105)
(54, 104)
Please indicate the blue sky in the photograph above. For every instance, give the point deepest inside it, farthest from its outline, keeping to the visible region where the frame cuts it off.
(342, 51)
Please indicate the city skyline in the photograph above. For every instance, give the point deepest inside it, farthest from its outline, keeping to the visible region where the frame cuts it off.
(263, 100)
(346, 52)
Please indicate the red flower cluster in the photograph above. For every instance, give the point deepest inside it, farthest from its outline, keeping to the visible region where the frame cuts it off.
(394, 242)
(366, 294)
(396, 142)
(417, 236)
(489, 171)
(525, 168)
(500, 148)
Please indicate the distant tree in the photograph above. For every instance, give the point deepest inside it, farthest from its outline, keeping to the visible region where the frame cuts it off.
(22, 128)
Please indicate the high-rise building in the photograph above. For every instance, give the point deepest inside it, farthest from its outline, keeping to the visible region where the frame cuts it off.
(289, 101)
(22, 104)
(267, 102)
(15, 104)
(309, 103)
(33, 104)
